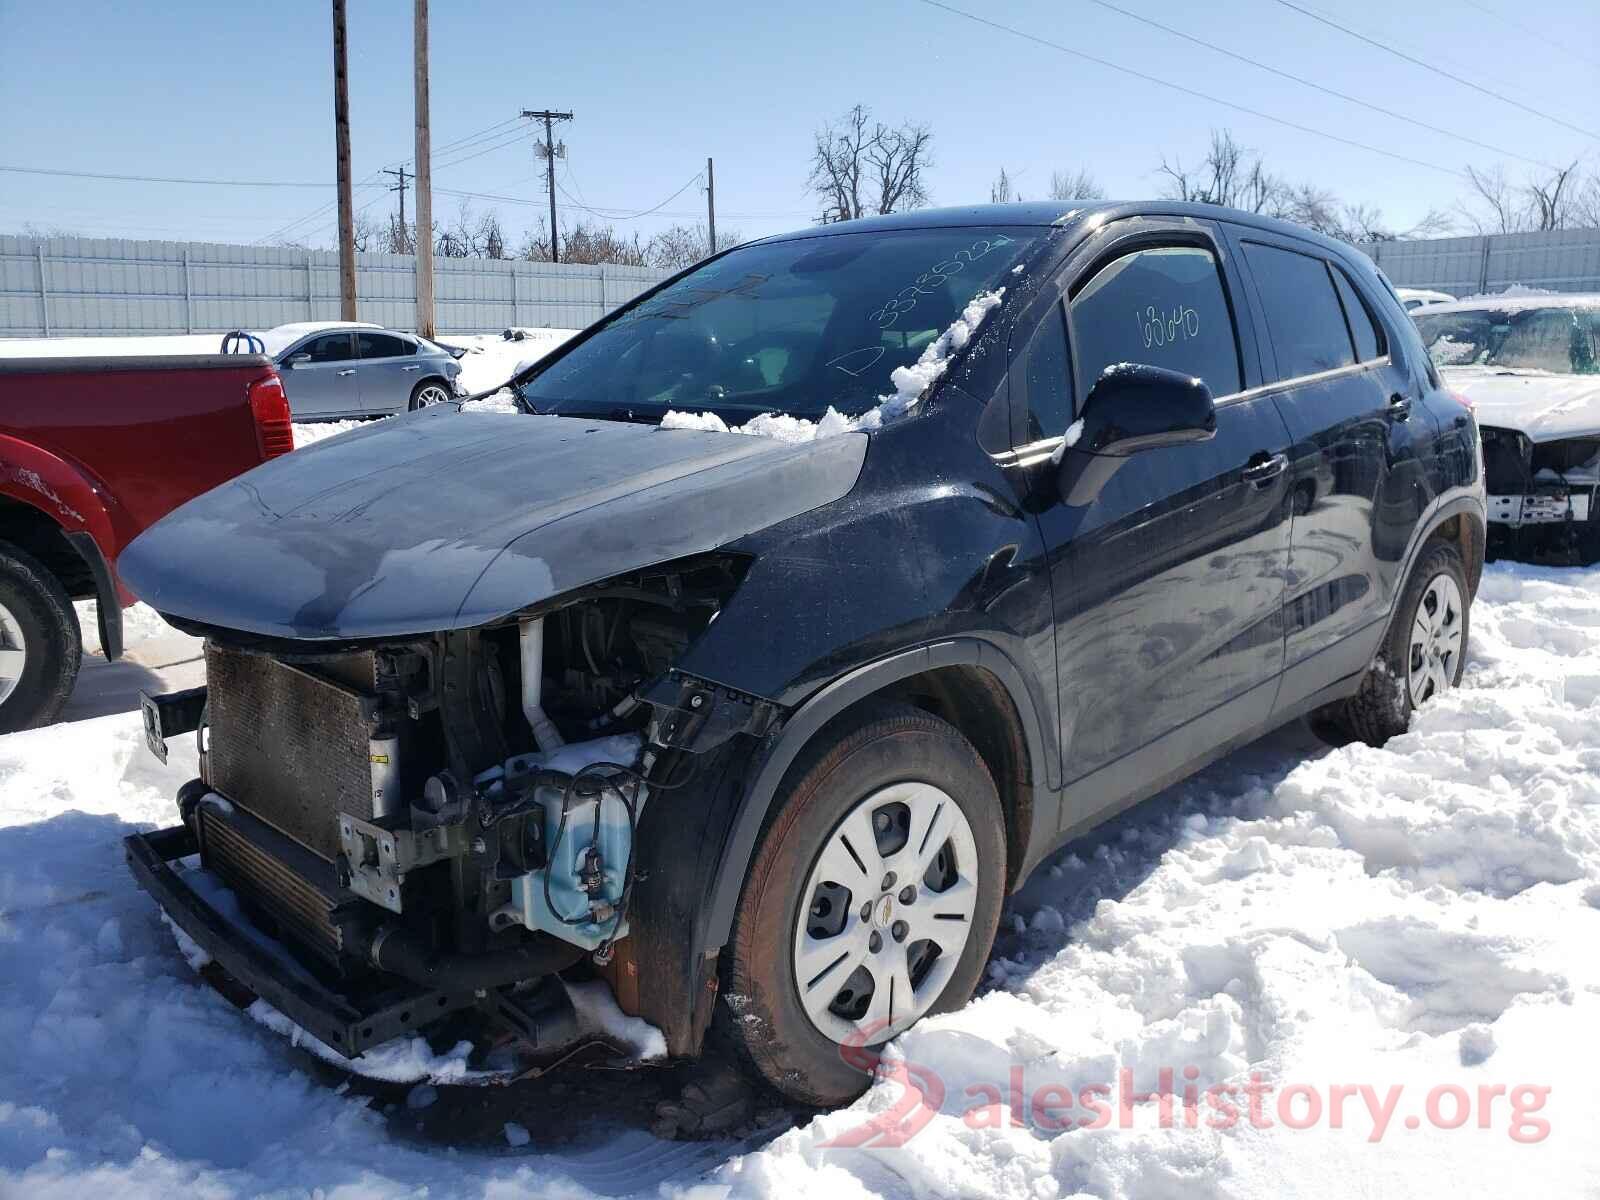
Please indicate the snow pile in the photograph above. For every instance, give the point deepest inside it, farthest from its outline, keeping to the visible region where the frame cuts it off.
(910, 383)
(1410, 934)
(1447, 352)
(490, 360)
(1513, 291)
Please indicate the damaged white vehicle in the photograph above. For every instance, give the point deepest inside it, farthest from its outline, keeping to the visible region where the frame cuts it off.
(1530, 367)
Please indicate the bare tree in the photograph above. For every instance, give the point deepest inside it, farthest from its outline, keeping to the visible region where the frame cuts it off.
(1075, 185)
(1551, 199)
(1492, 206)
(1001, 190)
(367, 233)
(680, 246)
(1236, 177)
(1586, 204)
(861, 166)
(1228, 175)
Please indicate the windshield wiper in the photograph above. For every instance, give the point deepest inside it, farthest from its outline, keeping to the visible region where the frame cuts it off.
(609, 414)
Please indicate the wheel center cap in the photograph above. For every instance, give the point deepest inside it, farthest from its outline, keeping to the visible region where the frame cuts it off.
(883, 916)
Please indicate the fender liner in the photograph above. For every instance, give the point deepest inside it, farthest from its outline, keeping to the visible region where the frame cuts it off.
(1445, 507)
(781, 751)
(108, 605)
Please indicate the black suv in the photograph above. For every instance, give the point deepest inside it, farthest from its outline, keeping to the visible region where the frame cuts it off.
(812, 599)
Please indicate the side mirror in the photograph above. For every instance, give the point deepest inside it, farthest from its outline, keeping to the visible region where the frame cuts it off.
(1134, 407)
(297, 360)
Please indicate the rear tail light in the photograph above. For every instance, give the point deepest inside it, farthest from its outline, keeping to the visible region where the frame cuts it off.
(270, 407)
(1461, 399)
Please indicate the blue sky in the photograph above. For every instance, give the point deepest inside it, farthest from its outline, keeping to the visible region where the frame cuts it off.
(244, 91)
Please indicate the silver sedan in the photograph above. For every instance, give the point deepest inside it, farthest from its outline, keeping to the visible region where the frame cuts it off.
(353, 369)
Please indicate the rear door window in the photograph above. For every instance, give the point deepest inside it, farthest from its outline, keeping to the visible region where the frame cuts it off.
(382, 345)
(1163, 306)
(1304, 317)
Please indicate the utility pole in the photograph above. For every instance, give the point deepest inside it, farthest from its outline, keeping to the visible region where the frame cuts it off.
(341, 127)
(711, 210)
(550, 152)
(424, 177)
(402, 175)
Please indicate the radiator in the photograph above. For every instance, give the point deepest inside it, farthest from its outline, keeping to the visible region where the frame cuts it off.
(289, 746)
(302, 904)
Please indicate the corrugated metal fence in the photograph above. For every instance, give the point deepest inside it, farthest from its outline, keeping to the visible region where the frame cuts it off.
(1564, 260)
(100, 286)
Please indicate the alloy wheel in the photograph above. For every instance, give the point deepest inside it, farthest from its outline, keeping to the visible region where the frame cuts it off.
(13, 653)
(1436, 641)
(432, 394)
(886, 913)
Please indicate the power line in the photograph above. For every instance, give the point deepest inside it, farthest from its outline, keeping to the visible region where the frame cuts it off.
(460, 143)
(1282, 74)
(517, 137)
(1188, 91)
(617, 214)
(1427, 66)
(272, 183)
(1533, 33)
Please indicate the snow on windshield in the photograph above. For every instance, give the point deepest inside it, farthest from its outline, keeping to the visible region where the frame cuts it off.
(910, 383)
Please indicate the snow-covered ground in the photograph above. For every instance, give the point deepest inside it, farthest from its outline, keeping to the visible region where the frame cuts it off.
(1409, 932)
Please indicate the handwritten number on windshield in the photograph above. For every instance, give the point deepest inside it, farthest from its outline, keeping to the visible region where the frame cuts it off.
(931, 280)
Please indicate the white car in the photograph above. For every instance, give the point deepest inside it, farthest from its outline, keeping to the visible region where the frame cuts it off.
(1414, 298)
(1530, 367)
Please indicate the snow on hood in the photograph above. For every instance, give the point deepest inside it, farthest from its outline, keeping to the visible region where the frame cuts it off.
(910, 384)
(1546, 407)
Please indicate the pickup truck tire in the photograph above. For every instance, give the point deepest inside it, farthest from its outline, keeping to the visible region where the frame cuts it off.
(899, 776)
(34, 608)
(1424, 652)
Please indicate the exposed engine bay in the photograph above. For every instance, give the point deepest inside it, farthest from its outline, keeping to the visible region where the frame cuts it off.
(457, 813)
(1544, 497)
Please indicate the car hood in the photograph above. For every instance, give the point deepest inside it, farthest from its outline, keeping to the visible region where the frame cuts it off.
(447, 519)
(1545, 407)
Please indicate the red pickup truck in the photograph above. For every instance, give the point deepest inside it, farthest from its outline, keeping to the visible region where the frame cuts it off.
(92, 450)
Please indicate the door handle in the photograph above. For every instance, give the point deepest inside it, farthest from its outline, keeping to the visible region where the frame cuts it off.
(412, 367)
(348, 371)
(1400, 405)
(1263, 468)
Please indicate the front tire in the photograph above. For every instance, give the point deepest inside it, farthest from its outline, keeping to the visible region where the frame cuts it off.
(1423, 654)
(41, 646)
(872, 902)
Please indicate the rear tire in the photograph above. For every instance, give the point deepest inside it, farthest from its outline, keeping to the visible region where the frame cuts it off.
(900, 777)
(428, 393)
(1423, 654)
(41, 646)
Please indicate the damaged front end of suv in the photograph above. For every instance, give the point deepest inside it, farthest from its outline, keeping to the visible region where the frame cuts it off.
(702, 670)
(433, 794)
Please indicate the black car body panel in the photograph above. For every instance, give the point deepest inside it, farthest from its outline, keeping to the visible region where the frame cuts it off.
(446, 520)
(1111, 619)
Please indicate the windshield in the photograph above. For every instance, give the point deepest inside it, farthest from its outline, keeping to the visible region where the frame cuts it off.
(789, 327)
(1560, 340)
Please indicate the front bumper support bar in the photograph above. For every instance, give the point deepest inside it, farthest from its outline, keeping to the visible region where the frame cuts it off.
(337, 1020)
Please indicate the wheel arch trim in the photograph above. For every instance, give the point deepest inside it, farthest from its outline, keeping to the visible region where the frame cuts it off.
(803, 725)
